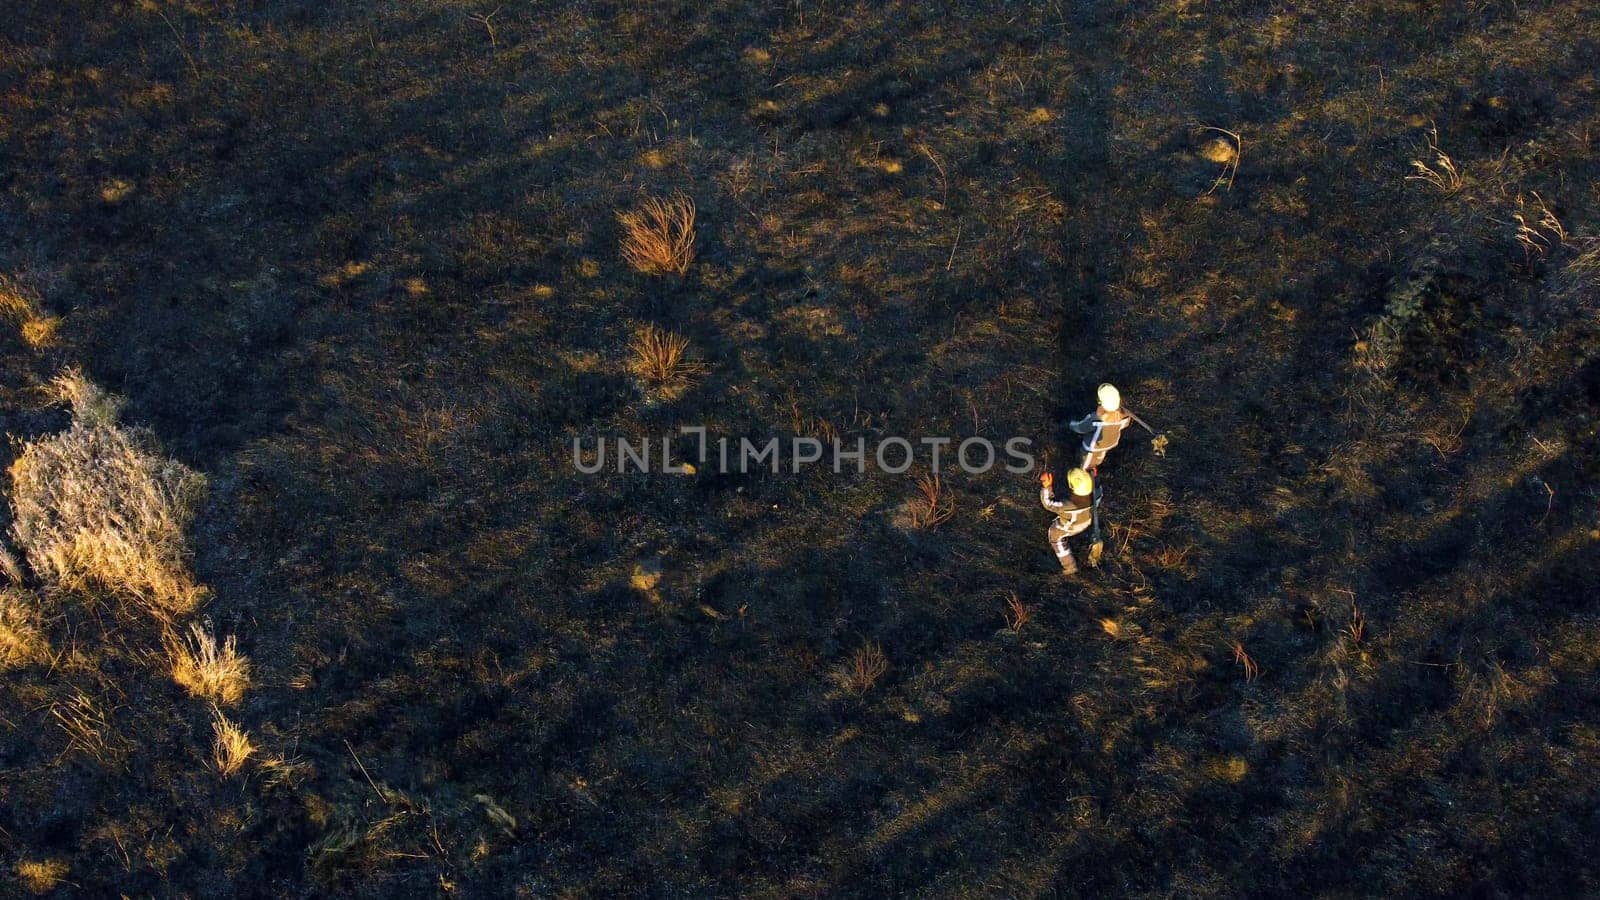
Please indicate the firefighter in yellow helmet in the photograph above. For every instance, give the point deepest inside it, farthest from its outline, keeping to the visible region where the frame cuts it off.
(1102, 429)
(1074, 515)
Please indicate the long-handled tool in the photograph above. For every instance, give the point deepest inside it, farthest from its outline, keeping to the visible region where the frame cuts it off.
(1096, 545)
(1158, 441)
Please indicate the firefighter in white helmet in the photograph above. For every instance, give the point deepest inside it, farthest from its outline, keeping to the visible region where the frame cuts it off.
(1074, 515)
(1102, 428)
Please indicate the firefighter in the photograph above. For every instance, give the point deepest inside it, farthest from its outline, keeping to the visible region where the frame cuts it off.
(1102, 428)
(1074, 515)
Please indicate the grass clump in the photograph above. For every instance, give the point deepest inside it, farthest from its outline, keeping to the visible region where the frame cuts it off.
(932, 505)
(659, 358)
(40, 876)
(21, 641)
(88, 729)
(205, 668)
(658, 237)
(18, 306)
(96, 506)
(862, 670)
(232, 747)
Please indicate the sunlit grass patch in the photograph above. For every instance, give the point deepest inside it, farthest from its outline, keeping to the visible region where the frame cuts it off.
(97, 506)
(208, 669)
(231, 746)
(21, 308)
(21, 640)
(40, 876)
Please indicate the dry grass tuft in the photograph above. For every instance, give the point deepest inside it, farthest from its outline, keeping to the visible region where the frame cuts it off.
(206, 669)
(90, 403)
(862, 670)
(660, 357)
(95, 506)
(1017, 613)
(1538, 229)
(41, 876)
(1357, 629)
(88, 729)
(10, 566)
(1225, 151)
(1441, 172)
(658, 237)
(232, 747)
(1246, 662)
(931, 507)
(21, 641)
(21, 309)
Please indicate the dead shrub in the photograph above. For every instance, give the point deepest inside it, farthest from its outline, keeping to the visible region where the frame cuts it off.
(658, 237)
(96, 505)
(862, 670)
(206, 669)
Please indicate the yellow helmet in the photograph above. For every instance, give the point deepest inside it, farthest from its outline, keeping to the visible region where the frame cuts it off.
(1080, 482)
(1110, 398)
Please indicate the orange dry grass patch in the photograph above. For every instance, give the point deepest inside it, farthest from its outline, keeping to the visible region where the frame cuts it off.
(40, 876)
(22, 309)
(658, 237)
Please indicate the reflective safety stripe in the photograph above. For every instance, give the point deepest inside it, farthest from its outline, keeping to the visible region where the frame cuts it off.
(1092, 443)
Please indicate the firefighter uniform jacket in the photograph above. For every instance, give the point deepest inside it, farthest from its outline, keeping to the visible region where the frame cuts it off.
(1073, 514)
(1100, 431)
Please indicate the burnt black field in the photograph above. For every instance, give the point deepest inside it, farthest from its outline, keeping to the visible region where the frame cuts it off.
(359, 264)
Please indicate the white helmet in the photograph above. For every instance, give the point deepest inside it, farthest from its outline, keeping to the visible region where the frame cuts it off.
(1110, 399)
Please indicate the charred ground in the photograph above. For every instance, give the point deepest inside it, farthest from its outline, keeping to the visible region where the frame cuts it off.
(358, 263)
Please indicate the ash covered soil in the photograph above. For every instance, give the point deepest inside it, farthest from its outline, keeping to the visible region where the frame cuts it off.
(359, 265)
